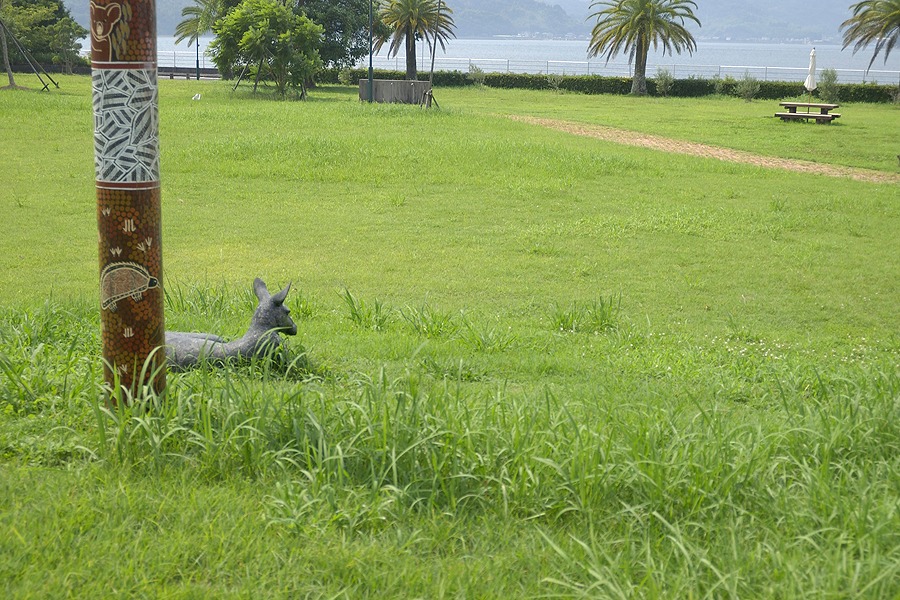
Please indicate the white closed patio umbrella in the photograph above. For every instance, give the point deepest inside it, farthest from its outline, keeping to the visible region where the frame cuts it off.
(810, 83)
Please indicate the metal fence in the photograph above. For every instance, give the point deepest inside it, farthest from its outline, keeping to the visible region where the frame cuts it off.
(679, 71)
(184, 60)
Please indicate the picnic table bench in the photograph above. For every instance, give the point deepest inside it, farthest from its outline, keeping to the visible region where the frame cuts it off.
(823, 116)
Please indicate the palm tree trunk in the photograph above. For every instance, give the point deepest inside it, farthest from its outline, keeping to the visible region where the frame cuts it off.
(5, 51)
(411, 73)
(639, 82)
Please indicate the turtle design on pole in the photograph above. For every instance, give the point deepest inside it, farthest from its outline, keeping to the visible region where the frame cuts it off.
(123, 279)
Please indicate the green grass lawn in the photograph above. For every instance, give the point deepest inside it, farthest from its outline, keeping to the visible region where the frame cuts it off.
(529, 364)
(864, 136)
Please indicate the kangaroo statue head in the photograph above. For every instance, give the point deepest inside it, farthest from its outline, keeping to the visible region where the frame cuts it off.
(271, 314)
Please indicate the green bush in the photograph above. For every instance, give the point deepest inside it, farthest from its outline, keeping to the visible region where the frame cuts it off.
(865, 92)
(692, 87)
(828, 86)
(724, 87)
(776, 90)
(748, 87)
(665, 82)
(476, 75)
(596, 84)
(554, 80)
(525, 81)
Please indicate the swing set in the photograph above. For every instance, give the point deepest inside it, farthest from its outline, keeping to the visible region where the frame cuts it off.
(35, 66)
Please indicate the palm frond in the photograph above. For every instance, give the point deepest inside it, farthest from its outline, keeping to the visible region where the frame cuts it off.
(873, 22)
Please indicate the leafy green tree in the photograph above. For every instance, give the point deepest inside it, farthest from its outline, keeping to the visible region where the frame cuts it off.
(268, 37)
(346, 25)
(411, 20)
(45, 28)
(20, 21)
(873, 21)
(65, 45)
(632, 25)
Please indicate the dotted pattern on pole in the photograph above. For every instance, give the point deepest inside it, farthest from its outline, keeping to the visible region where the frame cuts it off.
(126, 152)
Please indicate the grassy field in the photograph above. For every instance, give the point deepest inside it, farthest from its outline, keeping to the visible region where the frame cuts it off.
(528, 364)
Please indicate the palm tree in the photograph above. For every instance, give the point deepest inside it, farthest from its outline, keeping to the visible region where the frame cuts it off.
(873, 21)
(198, 20)
(409, 20)
(631, 26)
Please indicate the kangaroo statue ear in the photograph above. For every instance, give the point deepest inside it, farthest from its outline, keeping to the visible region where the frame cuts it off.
(259, 287)
(280, 296)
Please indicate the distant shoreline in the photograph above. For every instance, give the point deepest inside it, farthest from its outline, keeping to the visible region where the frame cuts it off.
(716, 40)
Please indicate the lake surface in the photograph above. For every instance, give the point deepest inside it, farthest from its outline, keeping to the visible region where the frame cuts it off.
(764, 61)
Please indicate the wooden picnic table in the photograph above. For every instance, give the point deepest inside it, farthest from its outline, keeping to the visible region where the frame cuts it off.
(823, 116)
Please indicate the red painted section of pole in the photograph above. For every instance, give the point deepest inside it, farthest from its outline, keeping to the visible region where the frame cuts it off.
(126, 158)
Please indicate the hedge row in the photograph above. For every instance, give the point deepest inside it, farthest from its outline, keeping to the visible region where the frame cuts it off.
(441, 78)
(596, 84)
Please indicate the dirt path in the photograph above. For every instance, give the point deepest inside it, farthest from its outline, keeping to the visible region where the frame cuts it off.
(631, 138)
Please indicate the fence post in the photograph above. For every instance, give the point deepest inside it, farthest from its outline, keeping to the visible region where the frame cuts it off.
(126, 167)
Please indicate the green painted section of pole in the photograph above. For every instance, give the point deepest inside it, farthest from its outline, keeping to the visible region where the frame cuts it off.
(371, 50)
(198, 58)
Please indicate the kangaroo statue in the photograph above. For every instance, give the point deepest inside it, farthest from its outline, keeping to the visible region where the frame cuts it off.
(184, 350)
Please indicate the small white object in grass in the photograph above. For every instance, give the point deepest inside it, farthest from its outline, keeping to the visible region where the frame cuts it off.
(196, 97)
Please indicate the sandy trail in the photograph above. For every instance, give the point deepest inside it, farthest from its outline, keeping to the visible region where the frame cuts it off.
(631, 138)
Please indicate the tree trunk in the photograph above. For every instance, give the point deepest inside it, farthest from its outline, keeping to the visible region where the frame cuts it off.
(411, 73)
(639, 82)
(5, 51)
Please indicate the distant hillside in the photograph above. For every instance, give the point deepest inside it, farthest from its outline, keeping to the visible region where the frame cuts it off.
(735, 19)
(762, 19)
(474, 18)
(486, 18)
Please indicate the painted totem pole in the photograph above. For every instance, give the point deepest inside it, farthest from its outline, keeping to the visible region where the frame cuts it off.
(126, 159)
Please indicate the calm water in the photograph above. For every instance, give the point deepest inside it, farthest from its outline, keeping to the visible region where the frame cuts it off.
(764, 61)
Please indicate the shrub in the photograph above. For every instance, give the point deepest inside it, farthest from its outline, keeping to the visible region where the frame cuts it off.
(596, 84)
(774, 90)
(692, 87)
(554, 80)
(476, 75)
(865, 92)
(344, 77)
(748, 87)
(828, 86)
(524, 81)
(723, 87)
(665, 82)
(451, 79)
